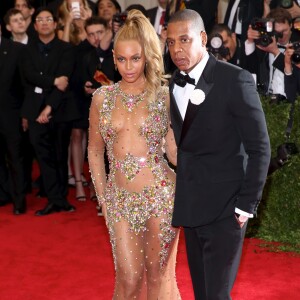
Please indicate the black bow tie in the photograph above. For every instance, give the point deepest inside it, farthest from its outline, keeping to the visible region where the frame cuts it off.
(182, 80)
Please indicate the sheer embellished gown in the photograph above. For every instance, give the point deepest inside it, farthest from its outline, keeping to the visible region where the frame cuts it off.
(138, 193)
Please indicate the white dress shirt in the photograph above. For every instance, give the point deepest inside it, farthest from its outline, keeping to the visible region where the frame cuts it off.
(182, 94)
(157, 24)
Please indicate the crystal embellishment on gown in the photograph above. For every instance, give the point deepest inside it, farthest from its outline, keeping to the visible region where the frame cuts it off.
(130, 101)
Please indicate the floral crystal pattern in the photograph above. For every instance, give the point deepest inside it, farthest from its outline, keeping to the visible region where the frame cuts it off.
(157, 196)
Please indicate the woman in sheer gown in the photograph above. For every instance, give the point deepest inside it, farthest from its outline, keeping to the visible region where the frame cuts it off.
(131, 119)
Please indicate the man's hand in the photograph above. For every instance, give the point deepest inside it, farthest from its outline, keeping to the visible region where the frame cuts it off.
(241, 219)
(271, 48)
(252, 34)
(61, 83)
(45, 115)
(24, 124)
(88, 88)
(294, 10)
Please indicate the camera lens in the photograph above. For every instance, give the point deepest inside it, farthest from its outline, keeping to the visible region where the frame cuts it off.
(296, 57)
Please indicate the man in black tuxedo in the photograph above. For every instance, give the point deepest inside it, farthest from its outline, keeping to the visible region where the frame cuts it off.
(214, 112)
(12, 182)
(98, 66)
(47, 66)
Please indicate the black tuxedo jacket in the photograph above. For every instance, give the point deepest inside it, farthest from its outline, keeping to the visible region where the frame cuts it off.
(40, 70)
(151, 14)
(11, 94)
(292, 84)
(90, 62)
(211, 180)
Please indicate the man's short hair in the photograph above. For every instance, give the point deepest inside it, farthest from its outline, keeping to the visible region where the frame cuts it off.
(220, 27)
(28, 2)
(41, 9)
(280, 15)
(11, 12)
(188, 15)
(95, 20)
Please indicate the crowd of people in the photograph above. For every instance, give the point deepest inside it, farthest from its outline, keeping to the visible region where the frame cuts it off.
(85, 77)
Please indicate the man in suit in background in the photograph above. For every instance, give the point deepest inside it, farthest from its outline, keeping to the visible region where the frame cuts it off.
(215, 110)
(157, 15)
(47, 66)
(12, 183)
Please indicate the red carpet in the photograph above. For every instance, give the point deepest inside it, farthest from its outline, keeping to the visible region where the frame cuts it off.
(67, 256)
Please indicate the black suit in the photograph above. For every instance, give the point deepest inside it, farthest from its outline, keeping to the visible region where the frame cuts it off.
(42, 64)
(211, 181)
(10, 124)
(151, 14)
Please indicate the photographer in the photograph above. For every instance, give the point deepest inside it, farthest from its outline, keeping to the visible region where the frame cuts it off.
(292, 71)
(265, 46)
(224, 44)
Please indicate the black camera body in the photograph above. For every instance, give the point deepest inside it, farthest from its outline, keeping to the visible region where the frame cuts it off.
(266, 30)
(120, 18)
(216, 47)
(286, 3)
(296, 55)
(284, 153)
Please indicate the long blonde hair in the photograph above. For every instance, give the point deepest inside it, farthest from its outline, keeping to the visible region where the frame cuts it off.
(138, 27)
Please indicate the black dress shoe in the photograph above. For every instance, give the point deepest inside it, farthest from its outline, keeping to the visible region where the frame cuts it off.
(68, 208)
(41, 194)
(48, 209)
(19, 211)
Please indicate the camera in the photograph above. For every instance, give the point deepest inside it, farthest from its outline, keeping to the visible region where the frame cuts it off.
(266, 30)
(284, 152)
(286, 3)
(217, 48)
(296, 55)
(120, 18)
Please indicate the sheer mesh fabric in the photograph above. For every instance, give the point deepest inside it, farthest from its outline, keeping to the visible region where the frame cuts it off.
(138, 194)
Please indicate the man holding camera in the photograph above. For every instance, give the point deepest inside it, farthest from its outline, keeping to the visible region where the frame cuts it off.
(265, 46)
(225, 45)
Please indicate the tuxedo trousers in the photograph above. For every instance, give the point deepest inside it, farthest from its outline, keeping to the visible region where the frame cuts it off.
(12, 182)
(50, 142)
(214, 252)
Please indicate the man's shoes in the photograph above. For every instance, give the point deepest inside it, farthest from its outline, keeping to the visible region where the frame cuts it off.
(19, 211)
(68, 207)
(48, 209)
(41, 194)
(52, 208)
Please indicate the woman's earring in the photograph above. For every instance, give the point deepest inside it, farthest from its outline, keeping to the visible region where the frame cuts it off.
(116, 68)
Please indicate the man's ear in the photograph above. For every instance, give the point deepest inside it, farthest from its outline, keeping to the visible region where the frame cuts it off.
(233, 35)
(32, 10)
(203, 38)
(8, 27)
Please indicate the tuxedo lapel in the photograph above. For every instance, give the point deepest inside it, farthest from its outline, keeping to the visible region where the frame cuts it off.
(205, 84)
(176, 117)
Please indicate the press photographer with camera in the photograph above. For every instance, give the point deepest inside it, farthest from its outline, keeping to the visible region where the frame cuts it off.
(292, 70)
(224, 44)
(265, 46)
